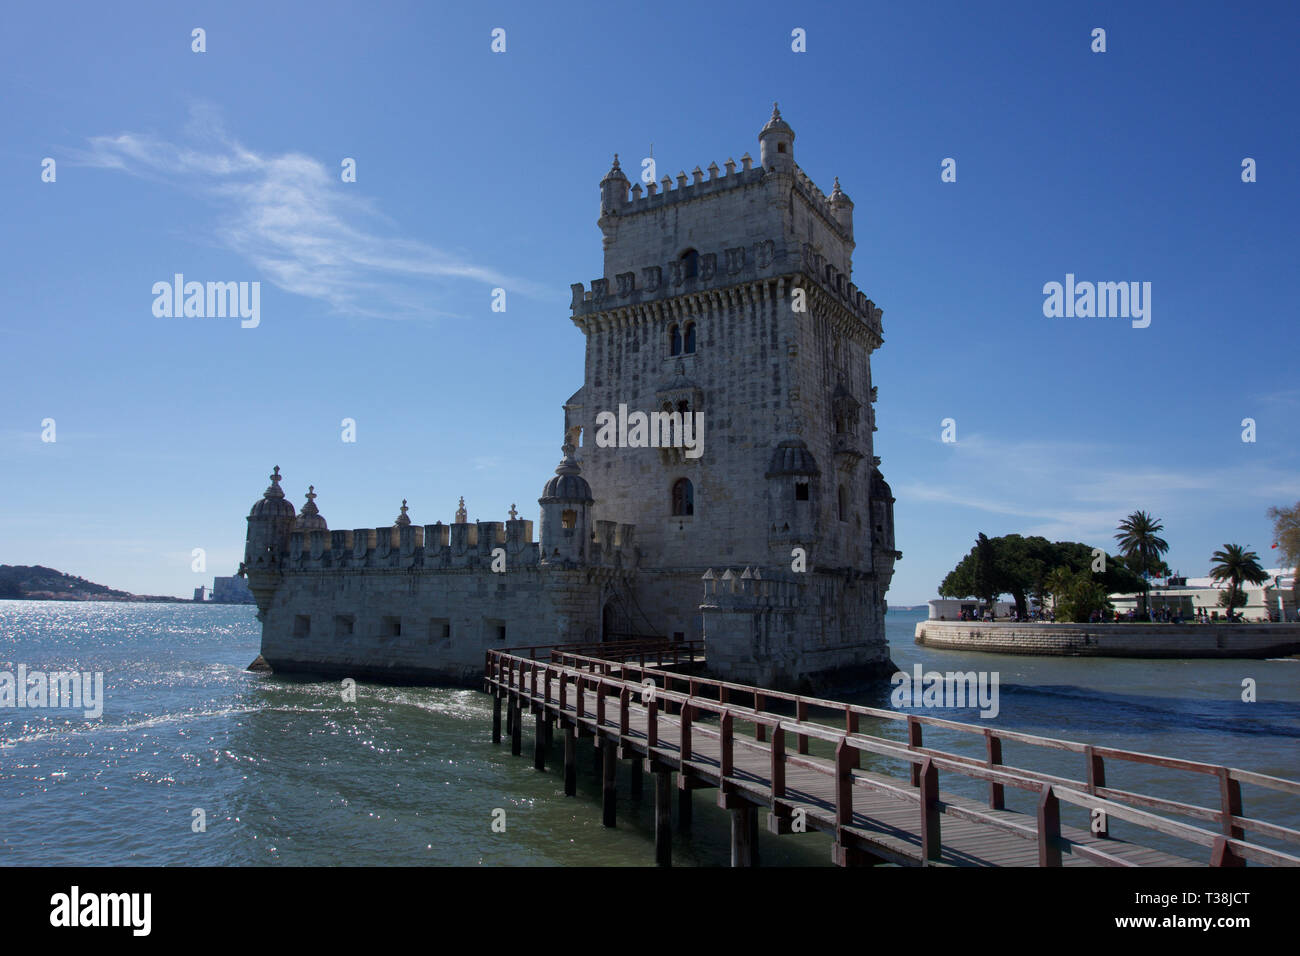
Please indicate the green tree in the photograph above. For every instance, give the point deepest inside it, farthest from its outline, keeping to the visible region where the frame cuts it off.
(1077, 594)
(1235, 564)
(1020, 566)
(1141, 545)
(1286, 533)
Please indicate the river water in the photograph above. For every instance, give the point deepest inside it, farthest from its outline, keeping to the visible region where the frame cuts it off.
(284, 771)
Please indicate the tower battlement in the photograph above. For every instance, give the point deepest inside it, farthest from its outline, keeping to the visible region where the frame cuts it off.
(754, 268)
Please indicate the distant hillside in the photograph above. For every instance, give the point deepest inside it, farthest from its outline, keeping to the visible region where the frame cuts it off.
(35, 583)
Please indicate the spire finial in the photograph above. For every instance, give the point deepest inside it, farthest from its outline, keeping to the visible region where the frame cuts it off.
(402, 519)
(568, 466)
(776, 111)
(514, 515)
(616, 166)
(461, 516)
(309, 510)
(274, 490)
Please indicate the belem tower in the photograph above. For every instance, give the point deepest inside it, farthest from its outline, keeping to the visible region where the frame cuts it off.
(725, 299)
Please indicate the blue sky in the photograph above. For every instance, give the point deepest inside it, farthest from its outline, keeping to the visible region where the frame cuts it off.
(477, 169)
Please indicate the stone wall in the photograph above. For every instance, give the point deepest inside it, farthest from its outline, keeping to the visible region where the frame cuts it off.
(1114, 640)
(422, 627)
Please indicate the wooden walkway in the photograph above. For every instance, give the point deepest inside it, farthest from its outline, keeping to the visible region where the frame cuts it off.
(629, 707)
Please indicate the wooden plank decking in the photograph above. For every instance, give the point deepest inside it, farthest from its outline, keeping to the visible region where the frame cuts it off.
(872, 817)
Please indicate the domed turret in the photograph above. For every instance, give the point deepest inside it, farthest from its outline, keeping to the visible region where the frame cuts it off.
(776, 144)
(272, 504)
(270, 522)
(310, 518)
(566, 512)
(613, 189)
(842, 207)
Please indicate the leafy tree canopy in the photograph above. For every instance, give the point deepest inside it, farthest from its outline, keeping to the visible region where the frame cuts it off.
(1020, 566)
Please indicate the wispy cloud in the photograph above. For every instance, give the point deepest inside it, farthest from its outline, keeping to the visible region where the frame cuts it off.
(1062, 489)
(293, 219)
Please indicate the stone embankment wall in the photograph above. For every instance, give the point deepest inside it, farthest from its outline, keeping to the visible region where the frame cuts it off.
(1114, 640)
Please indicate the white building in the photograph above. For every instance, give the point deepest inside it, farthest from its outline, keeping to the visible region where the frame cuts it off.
(1273, 601)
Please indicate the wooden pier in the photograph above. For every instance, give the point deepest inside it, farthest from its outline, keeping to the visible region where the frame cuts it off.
(725, 737)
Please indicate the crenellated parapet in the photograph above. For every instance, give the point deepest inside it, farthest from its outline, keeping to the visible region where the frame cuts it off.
(727, 278)
(747, 591)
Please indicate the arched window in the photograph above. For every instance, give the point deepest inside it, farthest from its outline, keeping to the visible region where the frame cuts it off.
(683, 497)
(692, 260)
(844, 503)
(690, 338)
(675, 338)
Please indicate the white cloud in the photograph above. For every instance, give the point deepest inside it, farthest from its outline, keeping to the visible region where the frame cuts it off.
(293, 219)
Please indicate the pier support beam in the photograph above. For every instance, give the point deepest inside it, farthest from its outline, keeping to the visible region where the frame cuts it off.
(570, 761)
(539, 741)
(609, 790)
(636, 777)
(663, 818)
(496, 718)
(684, 809)
(550, 731)
(744, 835)
(516, 738)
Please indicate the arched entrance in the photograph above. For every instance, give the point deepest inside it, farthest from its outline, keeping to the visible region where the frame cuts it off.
(607, 622)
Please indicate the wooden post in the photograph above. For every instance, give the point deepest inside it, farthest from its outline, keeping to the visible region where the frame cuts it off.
(1223, 855)
(931, 844)
(516, 738)
(664, 818)
(843, 789)
(609, 792)
(510, 713)
(760, 729)
(744, 835)
(914, 740)
(993, 747)
(539, 740)
(851, 725)
(550, 731)
(1049, 828)
(685, 808)
(635, 782)
(570, 760)
(1097, 778)
(685, 742)
(801, 714)
(496, 718)
(1230, 798)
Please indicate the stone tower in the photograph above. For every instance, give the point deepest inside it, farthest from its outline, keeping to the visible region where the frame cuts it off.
(728, 297)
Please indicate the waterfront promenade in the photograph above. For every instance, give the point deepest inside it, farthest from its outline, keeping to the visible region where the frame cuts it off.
(1224, 640)
(760, 749)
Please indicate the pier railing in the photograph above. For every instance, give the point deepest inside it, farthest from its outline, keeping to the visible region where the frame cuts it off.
(558, 687)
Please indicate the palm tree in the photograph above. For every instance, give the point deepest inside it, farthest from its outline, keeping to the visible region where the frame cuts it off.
(1140, 544)
(1236, 564)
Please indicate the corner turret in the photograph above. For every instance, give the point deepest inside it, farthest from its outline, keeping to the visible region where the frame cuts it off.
(566, 513)
(270, 522)
(613, 190)
(776, 144)
(842, 208)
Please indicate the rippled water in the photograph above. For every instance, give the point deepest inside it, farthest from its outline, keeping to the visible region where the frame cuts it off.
(286, 772)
